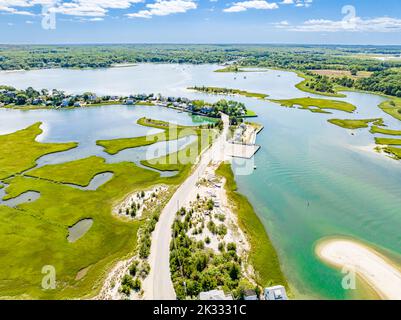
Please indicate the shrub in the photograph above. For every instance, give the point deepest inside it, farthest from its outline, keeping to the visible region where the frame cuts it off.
(231, 246)
(133, 268)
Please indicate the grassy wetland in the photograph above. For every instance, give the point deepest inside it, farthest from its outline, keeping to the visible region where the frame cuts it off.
(39, 228)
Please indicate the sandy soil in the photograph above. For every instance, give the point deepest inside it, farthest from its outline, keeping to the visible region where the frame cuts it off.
(383, 275)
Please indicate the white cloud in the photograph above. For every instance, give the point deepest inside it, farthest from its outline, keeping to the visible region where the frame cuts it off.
(91, 8)
(164, 8)
(252, 4)
(357, 24)
(298, 3)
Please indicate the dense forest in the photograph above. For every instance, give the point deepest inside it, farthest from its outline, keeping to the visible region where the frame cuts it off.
(13, 57)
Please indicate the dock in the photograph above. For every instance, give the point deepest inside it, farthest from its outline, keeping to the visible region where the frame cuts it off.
(238, 150)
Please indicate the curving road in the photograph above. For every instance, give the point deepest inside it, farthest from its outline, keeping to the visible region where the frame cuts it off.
(158, 284)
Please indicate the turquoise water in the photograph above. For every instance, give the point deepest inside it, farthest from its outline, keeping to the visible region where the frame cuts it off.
(313, 179)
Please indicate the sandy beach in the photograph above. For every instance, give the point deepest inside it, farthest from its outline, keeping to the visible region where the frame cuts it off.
(379, 272)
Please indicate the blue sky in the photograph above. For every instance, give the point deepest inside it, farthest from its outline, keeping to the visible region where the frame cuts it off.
(201, 21)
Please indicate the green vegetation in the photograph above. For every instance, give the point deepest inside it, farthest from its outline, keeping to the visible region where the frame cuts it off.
(250, 114)
(393, 151)
(234, 109)
(183, 159)
(380, 76)
(20, 150)
(170, 132)
(201, 269)
(392, 107)
(217, 90)
(375, 129)
(356, 123)
(388, 141)
(230, 68)
(262, 254)
(306, 57)
(317, 105)
(317, 84)
(79, 172)
(39, 228)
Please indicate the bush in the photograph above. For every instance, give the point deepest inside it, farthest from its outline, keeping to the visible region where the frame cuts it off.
(231, 246)
(137, 284)
(221, 230)
(133, 268)
(144, 270)
(212, 227)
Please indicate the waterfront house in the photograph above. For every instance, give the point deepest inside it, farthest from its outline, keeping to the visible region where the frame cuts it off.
(65, 103)
(275, 293)
(37, 101)
(215, 295)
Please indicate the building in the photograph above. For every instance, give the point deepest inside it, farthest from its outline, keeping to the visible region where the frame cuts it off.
(65, 102)
(250, 294)
(129, 102)
(275, 293)
(215, 295)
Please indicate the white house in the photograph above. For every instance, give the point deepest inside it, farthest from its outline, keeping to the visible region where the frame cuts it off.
(275, 293)
(215, 295)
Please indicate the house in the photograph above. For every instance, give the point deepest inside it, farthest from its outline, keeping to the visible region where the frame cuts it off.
(36, 101)
(275, 293)
(250, 294)
(129, 102)
(206, 110)
(215, 295)
(65, 103)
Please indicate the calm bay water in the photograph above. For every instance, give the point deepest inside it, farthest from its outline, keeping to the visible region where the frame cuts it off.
(313, 179)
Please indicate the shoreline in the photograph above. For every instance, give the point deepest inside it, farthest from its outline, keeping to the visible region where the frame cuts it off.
(376, 270)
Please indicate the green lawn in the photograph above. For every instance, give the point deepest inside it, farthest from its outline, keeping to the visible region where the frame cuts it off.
(375, 129)
(262, 255)
(20, 150)
(355, 124)
(317, 105)
(170, 132)
(250, 114)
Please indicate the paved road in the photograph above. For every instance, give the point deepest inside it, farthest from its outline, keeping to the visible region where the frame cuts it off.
(158, 285)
